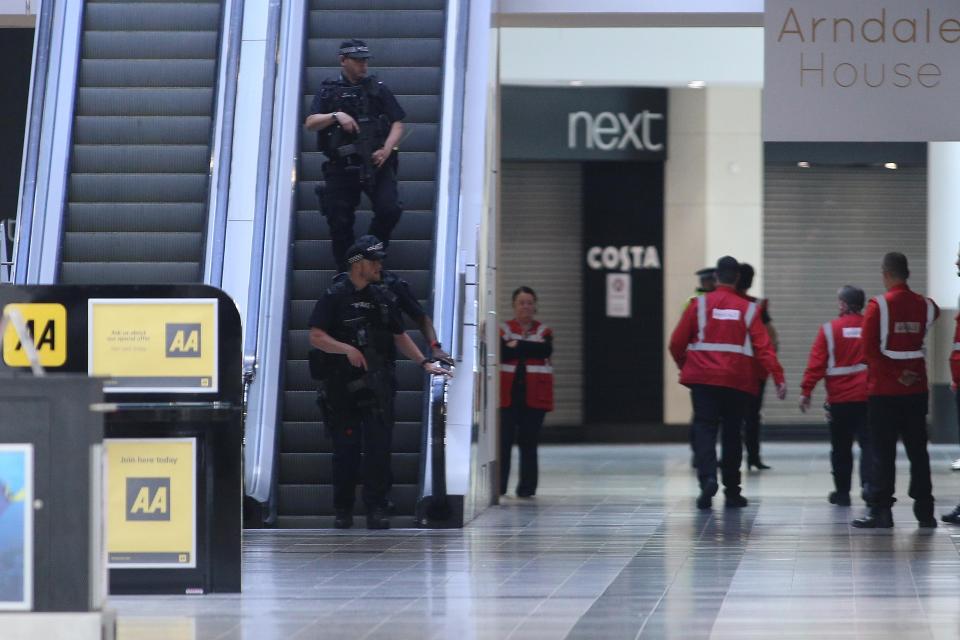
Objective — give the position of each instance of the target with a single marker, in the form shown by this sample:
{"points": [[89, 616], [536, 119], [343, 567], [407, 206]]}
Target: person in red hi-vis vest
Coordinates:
{"points": [[837, 357], [526, 389], [895, 327], [954, 516], [714, 345]]}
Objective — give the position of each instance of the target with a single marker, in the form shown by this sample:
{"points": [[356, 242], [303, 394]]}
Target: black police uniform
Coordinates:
{"points": [[369, 101], [400, 288], [358, 407]]}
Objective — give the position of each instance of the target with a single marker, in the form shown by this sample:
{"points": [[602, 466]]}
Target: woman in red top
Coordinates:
{"points": [[526, 389]]}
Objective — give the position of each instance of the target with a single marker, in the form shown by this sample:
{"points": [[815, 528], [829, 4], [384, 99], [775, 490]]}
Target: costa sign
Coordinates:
{"points": [[626, 258]]}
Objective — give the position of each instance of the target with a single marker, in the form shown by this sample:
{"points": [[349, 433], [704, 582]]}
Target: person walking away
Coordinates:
{"points": [[753, 419], [526, 389], [954, 516], [714, 346], [837, 357], [895, 327]]}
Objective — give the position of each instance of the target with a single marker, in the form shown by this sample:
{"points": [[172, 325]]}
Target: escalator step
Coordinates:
{"points": [[413, 195], [317, 468], [149, 44], [414, 166], [308, 437], [387, 52], [129, 272], [402, 254], [138, 101], [301, 406], [413, 225], [377, 24], [135, 216], [128, 159], [144, 187], [310, 285], [425, 109], [142, 130], [367, 5], [130, 247], [297, 376], [152, 16], [402, 81], [421, 137], [148, 73]]}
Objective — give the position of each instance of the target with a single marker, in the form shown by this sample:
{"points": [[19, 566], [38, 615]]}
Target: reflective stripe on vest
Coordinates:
{"points": [[832, 368], [885, 332], [956, 346], [508, 333], [532, 368], [745, 349], [536, 336]]}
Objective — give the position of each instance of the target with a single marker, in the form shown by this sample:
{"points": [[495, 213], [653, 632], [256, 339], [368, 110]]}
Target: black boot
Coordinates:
{"points": [[877, 518], [953, 517], [708, 489], [377, 519], [839, 498], [343, 519], [924, 515], [735, 501], [758, 464]]}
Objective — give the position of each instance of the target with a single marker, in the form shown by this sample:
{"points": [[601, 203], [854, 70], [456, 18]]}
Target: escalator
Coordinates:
{"points": [[140, 159], [406, 38]]}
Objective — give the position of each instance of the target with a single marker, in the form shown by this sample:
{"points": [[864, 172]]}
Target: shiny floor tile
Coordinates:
{"points": [[612, 547]]}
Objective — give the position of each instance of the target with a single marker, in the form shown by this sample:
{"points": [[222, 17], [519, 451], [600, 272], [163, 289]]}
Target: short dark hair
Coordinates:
{"points": [[895, 265], [519, 290], [746, 276], [728, 270], [853, 296]]}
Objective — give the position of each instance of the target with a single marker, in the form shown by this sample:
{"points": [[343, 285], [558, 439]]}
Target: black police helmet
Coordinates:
{"points": [[366, 248], [356, 49]]}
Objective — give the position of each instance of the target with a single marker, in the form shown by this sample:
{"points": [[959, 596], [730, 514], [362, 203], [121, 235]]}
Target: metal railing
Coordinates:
{"points": [[446, 278], [5, 262]]}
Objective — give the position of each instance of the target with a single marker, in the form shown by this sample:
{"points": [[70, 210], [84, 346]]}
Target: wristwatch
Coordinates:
{"points": [[334, 116]]}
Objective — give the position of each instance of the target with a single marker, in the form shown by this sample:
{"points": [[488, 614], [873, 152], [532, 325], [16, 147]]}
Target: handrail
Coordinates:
{"points": [[433, 503], [230, 78], [31, 151], [265, 339], [5, 262]]}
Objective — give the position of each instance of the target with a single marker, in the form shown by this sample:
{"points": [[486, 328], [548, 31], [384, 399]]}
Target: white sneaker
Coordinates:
{"points": [[956, 465]]}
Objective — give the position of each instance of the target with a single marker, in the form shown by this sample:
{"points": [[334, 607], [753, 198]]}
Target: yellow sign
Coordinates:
{"points": [[154, 345], [151, 503], [47, 323]]}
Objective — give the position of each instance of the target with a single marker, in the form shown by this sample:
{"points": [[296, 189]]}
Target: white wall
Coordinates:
{"points": [[18, 13], [660, 57]]}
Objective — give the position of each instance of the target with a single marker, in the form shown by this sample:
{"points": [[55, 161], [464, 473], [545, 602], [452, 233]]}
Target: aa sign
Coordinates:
{"points": [[47, 323]]}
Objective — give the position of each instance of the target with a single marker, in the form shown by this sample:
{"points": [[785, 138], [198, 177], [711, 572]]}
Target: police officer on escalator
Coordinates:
{"points": [[359, 124], [355, 330]]}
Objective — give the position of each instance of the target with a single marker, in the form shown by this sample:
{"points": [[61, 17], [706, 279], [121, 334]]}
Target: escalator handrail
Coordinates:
{"points": [[221, 169], [446, 234], [266, 310]]}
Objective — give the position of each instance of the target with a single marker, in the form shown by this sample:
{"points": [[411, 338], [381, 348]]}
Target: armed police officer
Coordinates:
{"points": [[359, 124], [356, 325]]}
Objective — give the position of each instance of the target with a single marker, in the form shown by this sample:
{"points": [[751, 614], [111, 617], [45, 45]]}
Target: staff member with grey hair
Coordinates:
{"points": [[895, 328], [837, 356]]}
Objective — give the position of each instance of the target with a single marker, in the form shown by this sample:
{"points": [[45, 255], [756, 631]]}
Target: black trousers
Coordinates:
{"points": [[718, 409], [903, 417], [751, 424], [340, 197], [362, 441], [520, 424], [848, 421]]}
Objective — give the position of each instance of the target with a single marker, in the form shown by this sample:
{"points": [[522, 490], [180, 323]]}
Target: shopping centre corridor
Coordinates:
{"points": [[612, 547]]}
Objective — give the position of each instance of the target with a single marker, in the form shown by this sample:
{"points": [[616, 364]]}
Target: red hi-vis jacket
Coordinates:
{"points": [[955, 355], [837, 355], [718, 338], [538, 370], [895, 327]]}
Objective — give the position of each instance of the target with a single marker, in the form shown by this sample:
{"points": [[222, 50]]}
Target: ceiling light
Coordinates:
{"points": [[576, 83], [891, 165], [696, 84], [803, 165]]}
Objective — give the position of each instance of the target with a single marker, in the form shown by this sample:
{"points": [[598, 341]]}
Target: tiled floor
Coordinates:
{"points": [[611, 548]]}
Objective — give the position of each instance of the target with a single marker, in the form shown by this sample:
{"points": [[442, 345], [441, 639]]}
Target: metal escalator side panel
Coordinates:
{"points": [[263, 415]]}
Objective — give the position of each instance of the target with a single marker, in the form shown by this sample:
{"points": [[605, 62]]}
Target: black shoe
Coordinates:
{"points": [[953, 517], [840, 499], [758, 464], [707, 491], [876, 519], [735, 502], [927, 523], [526, 494], [377, 519], [343, 519]]}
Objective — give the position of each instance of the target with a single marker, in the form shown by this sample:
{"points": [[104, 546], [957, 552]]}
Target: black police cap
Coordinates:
{"points": [[706, 272], [356, 49], [366, 248]]}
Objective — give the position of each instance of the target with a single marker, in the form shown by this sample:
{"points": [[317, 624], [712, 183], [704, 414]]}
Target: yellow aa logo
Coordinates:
{"points": [[47, 323], [183, 340], [148, 498]]}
